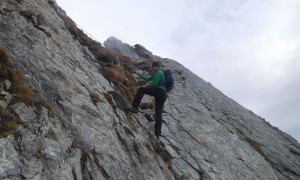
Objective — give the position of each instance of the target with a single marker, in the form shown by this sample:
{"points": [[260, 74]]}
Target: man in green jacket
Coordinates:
{"points": [[157, 89]]}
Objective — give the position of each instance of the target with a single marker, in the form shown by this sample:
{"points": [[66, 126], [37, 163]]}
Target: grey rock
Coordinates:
{"points": [[9, 158], [7, 84], [123, 48], [50, 149], [26, 114], [32, 168], [205, 134], [4, 93], [3, 104], [8, 98], [5, 98], [142, 51]]}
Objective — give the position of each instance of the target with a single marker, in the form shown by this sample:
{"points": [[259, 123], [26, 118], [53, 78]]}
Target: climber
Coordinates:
{"points": [[157, 89]]}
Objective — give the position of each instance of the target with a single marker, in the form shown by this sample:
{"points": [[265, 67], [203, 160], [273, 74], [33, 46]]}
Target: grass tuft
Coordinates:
{"points": [[150, 105], [9, 122], [48, 34], [95, 97], [123, 80], [21, 91], [110, 100]]}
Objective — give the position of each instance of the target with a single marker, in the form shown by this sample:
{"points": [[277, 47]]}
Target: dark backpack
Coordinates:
{"points": [[169, 80]]}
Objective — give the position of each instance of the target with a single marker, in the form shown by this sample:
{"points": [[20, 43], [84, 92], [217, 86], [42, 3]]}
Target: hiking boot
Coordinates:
{"points": [[132, 109]]}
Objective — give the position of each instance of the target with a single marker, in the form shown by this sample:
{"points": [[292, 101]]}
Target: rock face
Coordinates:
{"points": [[205, 134]]}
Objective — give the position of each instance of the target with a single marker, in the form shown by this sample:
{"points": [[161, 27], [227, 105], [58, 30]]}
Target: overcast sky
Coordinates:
{"points": [[248, 49]]}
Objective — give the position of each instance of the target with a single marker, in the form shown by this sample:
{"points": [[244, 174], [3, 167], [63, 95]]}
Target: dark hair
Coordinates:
{"points": [[155, 64]]}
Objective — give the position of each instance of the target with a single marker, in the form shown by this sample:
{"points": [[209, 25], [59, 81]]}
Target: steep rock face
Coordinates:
{"points": [[228, 139], [206, 135]]}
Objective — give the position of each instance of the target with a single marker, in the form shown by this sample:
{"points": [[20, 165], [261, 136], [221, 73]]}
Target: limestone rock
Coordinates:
{"points": [[50, 149], [5, 98], [7, 84], [3, 104], [9, 158], [123, 48], [4, 93], [26, 114], [205, 134], [142, 51]]}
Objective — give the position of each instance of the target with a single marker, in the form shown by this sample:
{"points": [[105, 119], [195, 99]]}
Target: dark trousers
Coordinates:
{"points": [[160, 97]]}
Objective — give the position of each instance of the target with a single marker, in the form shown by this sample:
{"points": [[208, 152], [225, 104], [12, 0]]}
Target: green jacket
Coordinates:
{"points": [[157, 80]]}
